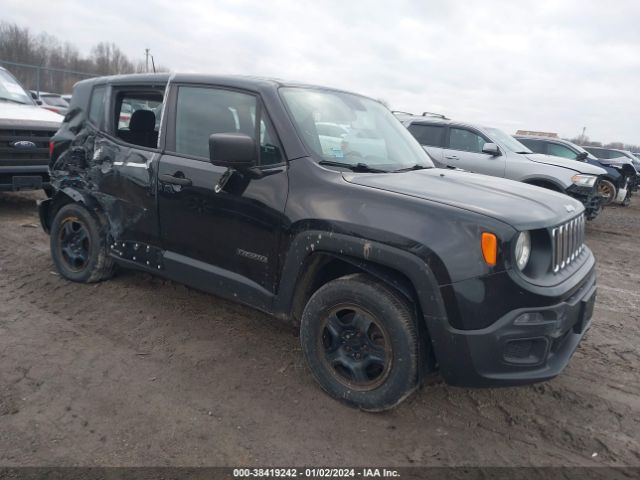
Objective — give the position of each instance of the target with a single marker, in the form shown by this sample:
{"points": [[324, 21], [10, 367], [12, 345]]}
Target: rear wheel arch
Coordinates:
{"points": [[64, 197]]}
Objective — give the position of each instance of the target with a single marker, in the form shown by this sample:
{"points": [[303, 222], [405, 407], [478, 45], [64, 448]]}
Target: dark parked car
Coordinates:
{"points": [[615, 186], [614, 153], [618, 157], [390, 267], [607, 153], [25, 130]]}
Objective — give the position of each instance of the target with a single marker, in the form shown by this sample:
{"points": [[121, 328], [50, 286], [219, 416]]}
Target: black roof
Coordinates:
{"points": [[246, 82]]}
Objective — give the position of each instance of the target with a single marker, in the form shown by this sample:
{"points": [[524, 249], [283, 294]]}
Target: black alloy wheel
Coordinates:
{"points": [[360, 339], [79, 245], [74, 244], [356, 347]]}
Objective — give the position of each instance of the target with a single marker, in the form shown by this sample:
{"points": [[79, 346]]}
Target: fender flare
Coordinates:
{"points": [[79, 196], [532, 180], [354, 250], [60, 198]]}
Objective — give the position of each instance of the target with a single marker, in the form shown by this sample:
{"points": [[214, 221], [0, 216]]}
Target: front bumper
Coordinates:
{"points": [[25, 177], [525, 345]]}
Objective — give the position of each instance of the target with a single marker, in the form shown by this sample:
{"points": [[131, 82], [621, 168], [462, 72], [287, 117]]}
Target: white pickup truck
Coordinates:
{"points": [[25, 130]]}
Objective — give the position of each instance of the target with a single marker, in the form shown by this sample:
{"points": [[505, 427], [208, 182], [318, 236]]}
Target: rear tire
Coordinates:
{"points": [[360, 340], [79, 245]]}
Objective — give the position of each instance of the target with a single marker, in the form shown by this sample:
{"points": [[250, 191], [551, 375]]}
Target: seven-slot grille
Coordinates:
{"points": [[568, 242], [12, 156]]}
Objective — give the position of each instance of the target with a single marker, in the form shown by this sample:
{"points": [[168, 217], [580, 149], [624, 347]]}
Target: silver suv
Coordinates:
{"points": [[490, 151]]}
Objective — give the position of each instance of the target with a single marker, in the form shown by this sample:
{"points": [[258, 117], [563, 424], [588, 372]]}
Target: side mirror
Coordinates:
{"points": [[38, 102], [232, 150], [582, 156], [491, 149]]}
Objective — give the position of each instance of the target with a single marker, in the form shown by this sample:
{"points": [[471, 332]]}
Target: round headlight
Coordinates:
{"points": [[523, 249]]}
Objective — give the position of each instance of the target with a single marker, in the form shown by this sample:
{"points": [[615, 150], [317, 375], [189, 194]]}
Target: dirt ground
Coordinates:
{"points": [[143, 371]]}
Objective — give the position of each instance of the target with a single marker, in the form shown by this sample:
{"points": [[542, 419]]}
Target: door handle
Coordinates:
{"points": [[182, 181], [451, 157]]}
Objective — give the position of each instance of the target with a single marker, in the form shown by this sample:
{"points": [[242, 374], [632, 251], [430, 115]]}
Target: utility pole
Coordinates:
{"points": [[146, 61]]}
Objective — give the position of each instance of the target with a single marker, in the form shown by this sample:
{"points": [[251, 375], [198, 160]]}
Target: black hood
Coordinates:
{"points": [[518, 204]]}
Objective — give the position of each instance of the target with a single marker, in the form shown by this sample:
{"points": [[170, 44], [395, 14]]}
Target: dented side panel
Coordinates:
{"points": [[117, 179]]}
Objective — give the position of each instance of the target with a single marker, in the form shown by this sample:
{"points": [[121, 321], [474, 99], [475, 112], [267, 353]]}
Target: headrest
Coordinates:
{"points": [[142, 120]]}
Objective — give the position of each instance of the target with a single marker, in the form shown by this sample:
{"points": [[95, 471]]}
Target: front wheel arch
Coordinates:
{"points": [[544, 183], [309, 247], [410, 276]]}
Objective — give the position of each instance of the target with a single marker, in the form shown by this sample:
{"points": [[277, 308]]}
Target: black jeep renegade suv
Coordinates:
{"points": [[318, 206]]}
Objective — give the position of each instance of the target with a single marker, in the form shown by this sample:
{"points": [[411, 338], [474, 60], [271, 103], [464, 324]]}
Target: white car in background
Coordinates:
{"points": [[25, 130], [51, 101], [339, 140]]}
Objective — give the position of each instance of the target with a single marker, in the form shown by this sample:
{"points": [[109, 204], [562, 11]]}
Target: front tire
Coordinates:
{"points": [[607, 191], [592, 213], [79, 245], [360, 340]]}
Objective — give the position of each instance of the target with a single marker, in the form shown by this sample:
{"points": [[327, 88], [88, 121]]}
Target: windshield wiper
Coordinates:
{"points": [[357, 167], [412, 167]]}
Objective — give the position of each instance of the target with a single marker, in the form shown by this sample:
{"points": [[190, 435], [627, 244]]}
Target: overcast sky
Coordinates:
{"points": [[538, 65]]}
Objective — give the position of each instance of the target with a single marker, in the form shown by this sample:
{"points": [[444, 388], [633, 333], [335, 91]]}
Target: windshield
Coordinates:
{"points": [[628, 154], [11, 90], [348, 129], [507, 141]]}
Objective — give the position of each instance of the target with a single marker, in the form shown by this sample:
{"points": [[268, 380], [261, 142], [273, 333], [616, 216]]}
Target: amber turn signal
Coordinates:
{"points": [[489, 248]]}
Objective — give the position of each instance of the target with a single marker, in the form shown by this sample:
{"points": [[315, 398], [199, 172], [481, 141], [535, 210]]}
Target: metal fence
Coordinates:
{"points": [[47, 79]]}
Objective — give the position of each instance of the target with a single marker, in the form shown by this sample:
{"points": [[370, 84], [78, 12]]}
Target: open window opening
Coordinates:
{"points": [[137, 116]]}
